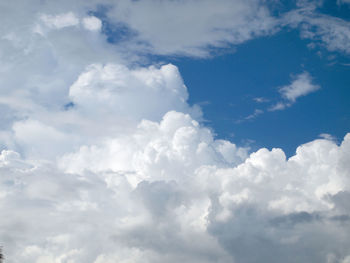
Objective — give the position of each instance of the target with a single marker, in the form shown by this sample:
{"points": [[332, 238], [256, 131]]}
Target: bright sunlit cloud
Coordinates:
{"points": [[104, 158]]}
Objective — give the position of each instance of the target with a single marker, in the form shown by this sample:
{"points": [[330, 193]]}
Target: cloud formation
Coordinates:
{"points": [[170, 192], [170, 27], [301, 86], [105, 161], [333, 33]]}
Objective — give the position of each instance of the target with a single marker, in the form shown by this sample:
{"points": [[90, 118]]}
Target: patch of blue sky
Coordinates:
{"points": [[69, 106], [230, 83], [336, 8]]}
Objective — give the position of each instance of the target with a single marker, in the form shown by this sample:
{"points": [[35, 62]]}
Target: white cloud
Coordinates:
{"points": [[127, 173], [177, 144], [301, 86], [92, 23], [188, 202], [60, 21], [279, 106], [252, 116], [116, 89], [256, 113], [190, 27], [328, 31], [327, 136]]}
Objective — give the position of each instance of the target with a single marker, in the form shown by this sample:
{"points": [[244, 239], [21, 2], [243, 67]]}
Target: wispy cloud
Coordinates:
{"points": [[261, 99], [330, 32], [300, 86], [328, 136], [252, 116]]}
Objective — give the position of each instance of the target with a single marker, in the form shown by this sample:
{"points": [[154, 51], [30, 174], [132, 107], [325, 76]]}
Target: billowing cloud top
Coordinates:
{"points": [[103, 160]]}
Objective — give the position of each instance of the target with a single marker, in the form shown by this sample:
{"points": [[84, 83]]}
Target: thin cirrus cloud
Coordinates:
{"points": [[114, 178]]}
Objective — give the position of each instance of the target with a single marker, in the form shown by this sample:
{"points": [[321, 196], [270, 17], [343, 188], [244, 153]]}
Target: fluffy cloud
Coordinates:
{"points": [[115, 89], [169, 192], [105, 161], [173, 148]]}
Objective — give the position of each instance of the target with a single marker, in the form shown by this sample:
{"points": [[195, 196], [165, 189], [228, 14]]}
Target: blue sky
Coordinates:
{"points": [[228, 84], [194, 131]]}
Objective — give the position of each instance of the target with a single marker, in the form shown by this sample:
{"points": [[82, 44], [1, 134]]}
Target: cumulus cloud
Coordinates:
{"points": [[118, 90], [169, 192], [105, 161]]}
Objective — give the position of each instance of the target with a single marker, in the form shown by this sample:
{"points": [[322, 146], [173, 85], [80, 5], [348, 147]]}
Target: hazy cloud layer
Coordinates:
{"points": [[103, 160]]}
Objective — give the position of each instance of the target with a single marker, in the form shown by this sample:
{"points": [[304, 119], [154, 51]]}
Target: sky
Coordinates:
{"points": [[168, 130]]}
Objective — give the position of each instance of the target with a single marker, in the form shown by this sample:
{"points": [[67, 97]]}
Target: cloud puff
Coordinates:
{"points": [[301, 86], [115, 89], [92, 23], [172, 148], [145, 198]]}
